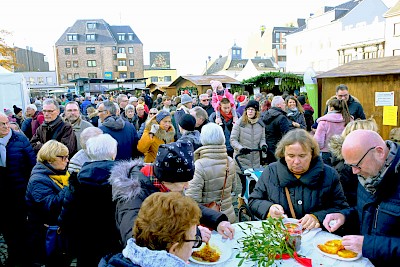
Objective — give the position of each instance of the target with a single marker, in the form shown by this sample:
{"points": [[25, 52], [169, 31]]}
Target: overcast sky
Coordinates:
{"points": [[191, 30]]}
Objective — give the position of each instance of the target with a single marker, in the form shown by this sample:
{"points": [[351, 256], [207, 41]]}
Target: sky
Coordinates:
{"points": [[191, 30]]}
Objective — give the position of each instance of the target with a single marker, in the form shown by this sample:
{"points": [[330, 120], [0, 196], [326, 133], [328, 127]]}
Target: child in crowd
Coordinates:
{"points": [[220, 92]]}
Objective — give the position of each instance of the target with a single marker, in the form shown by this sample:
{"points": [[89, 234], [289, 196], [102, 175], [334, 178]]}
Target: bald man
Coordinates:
{"points": [[376, 163]]}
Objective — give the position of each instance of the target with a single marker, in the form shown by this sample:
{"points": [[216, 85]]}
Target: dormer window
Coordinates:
{"points": [[261, 65], [240, 65], [130, 36], [91, 37], [121, 36], [72, 37], [91, 25]]}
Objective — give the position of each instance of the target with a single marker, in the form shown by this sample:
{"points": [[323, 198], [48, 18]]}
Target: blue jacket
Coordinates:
{"points": [[227, 128], [379, 218]]}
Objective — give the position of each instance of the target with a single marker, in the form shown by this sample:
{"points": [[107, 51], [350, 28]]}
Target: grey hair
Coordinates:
{"points": [[101, 147], [212, 134], [88, 133], [129, 107], [50, 101], [120, 96], [200, 113], [277, 100], [110, 107]]}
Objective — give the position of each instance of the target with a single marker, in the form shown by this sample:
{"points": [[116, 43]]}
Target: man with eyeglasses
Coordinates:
{"points": [[72, 115], [377, 165], [205, 103], [355, 108], [54, 128]]}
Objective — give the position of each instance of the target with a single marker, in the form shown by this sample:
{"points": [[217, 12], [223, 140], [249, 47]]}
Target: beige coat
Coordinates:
{"points": [[249, 136], [208, 181]]}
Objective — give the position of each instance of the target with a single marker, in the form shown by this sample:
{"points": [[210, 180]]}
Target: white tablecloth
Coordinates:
{"points": [[308, 250]]}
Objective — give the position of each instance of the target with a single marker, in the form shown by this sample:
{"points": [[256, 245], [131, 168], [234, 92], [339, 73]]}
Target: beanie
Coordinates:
{"points": [[187, 122], [185, 98], [16, 109], [253, 104], [32, 106], [161, 115], [8, 112], [301, 99], [216, 84], [174, 162]]}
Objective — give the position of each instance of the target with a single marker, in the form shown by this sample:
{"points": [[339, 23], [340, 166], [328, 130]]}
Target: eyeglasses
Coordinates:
{"points": [[48, 111], [342, 96], [357, 166], [151, 113], [101, 111], [251, 109], [197, 243], [2, 124], [64, 158], [205, 100]]}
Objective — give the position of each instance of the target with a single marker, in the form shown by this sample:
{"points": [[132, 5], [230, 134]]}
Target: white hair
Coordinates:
{"points": [[277, 100], [101, 147], [212, 134], [88, 133], [32, 106]]}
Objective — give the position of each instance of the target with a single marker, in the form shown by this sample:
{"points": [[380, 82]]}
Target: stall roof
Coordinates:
{"points": [[101, 80], [205, 79], [365, 67]]}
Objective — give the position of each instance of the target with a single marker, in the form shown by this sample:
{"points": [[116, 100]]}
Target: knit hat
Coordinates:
{"points": [[161, 115], [253, 104], [32, 106], [8, 112], [185, 98], [216, 84], [187, 122], [16, 109], [301, 99], [174, 162]]}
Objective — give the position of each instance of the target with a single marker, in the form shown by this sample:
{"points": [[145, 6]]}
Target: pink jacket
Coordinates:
{"points": [[328, 125], [217, 98]]}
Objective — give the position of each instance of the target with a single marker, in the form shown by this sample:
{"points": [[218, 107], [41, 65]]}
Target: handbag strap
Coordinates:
{"points": [[290, 203], [226, 176]]}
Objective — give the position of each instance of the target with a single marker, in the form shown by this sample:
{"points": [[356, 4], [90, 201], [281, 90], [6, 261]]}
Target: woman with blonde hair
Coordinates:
{"points": [[295, 112], [45, 198]]}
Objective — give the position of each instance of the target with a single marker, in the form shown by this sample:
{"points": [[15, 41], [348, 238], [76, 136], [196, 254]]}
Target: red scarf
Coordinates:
{"points": [[227, 117], [148, 172]]}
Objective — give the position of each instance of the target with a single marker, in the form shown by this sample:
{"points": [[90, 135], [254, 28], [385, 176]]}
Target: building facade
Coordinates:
{"points": [[94, 49], [29, 60], [392, 31]]}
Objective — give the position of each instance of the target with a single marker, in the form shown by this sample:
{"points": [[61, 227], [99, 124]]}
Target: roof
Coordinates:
{"points": [[217, 65], [205, 79], [365, 67], [393, 11]]}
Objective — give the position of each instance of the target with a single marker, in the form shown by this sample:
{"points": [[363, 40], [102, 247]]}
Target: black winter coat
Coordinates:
{"points": [[117, 260], [317, 192], [355, 109]]}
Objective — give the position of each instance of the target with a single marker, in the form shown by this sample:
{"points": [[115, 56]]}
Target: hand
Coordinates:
{"points": [[154, 128], [276, 211], [226, 229], [218, 121], [205, 233], [338, 218], [245, 151], [353, 242], [309, 222], [295, 124], [264, 148]]}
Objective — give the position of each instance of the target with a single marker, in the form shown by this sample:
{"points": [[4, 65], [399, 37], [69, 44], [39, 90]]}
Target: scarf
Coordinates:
{"points": [[371, 183], [60, 177], [292, 113], [227, 117], [253, 120], [3, 150], [148, 172]]}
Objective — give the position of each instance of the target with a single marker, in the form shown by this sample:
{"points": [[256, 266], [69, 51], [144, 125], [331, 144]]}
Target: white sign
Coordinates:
{"points": [[384, 98], [256, 90]]}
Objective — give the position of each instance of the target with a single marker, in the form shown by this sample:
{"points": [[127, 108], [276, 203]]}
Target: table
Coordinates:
{"points": [[307, 249]]}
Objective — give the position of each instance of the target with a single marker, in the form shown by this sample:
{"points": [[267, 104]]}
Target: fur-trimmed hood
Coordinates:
{"points": [[125, 180], [167, 136], [335, 146]]}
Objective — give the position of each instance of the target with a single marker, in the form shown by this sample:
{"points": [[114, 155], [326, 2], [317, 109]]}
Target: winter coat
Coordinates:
{"points": [[78, 128], [182, 110], [276, 125], [124, 133], [149, 146], [209, 109], [37, 120], [206, 186], [129, 192], [328, 125], [57, 130], [297, 117], [227, 128], [317, 191], [247, 135], [355, 108], [308, 115], [193, 137], [26, 128], [89, 203], [378, 216], [76, 162]]}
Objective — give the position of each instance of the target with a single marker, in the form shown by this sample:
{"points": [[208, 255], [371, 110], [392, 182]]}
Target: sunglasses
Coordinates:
{"points": [[151, 113]]}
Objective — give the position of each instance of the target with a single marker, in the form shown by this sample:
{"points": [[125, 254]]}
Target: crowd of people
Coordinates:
{"points": [[131, 181]]}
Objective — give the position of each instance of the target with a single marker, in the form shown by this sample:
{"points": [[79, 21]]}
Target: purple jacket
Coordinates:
{"points": [[328, 125]]}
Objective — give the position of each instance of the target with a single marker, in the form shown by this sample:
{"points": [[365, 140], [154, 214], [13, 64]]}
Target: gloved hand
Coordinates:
{"points": [[245, 151], [154, 128], [264, 148]]}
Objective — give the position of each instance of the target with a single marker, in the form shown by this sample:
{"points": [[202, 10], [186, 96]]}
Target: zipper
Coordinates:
{"points": [[376, 216]]}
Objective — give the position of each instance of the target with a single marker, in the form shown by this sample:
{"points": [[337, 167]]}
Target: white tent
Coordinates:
{"points": [[248, 71], [13, 90]]}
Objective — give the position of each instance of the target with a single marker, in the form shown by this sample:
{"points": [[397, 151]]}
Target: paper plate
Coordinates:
{"points": [[322, 240], [224, 250]]}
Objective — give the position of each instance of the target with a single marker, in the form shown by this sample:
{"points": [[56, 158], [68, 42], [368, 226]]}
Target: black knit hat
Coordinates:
{"points": [[17, 109], [253, 104], [174, 162], [301, 99], [187, 122]]}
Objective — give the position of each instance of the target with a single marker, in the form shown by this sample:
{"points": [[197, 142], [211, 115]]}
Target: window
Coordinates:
{"points": [[92, 75], [281, 58], [40, 80], [75, 63], [90, 37], [31, 80], [121, 36], [277, 36], [90, 50], [130, 50], [167, 78], [131, 62], [121, 62], [74, 50], [131, 75], [130, 36], [115, 56], [91, 63], [67, 51], [69, 76], [68, 64], [121, 50], [72, 37], [116, 68], [76, 75], [123, 75], [114, 48], [396, 52], [91, 25], [154, 79], [49, 80], [396, 29]]}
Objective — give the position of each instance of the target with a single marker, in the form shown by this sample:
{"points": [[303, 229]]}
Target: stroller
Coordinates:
{"points": [[250, 176]]}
